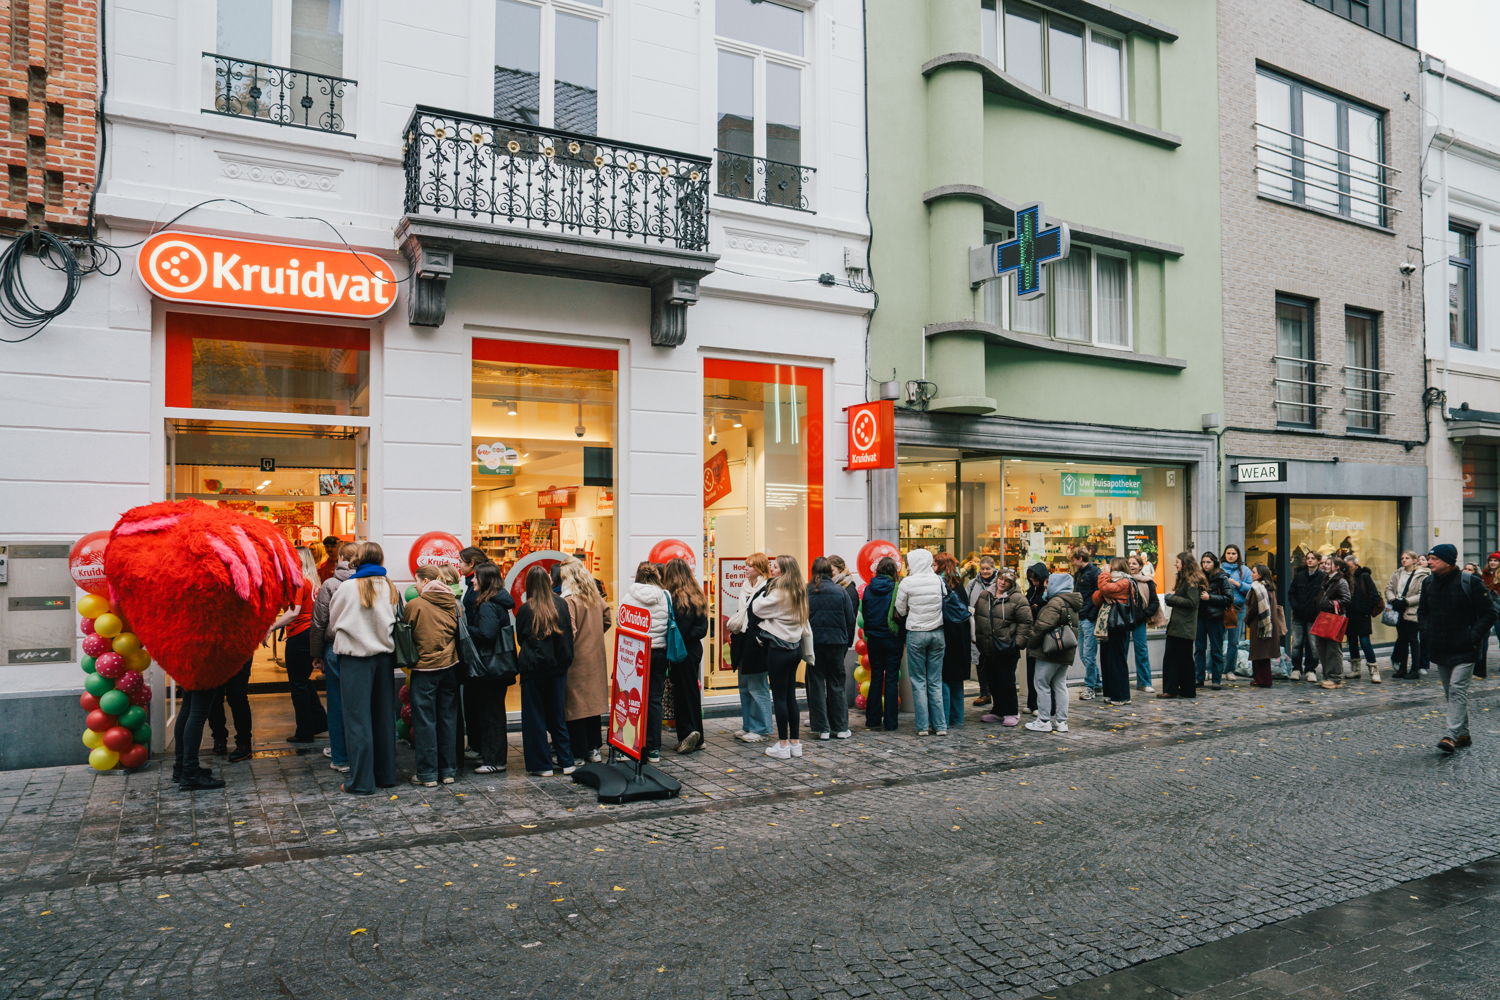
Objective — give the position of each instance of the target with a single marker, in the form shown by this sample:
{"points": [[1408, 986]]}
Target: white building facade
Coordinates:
{"points": [[1461, 220], [629, 256]]}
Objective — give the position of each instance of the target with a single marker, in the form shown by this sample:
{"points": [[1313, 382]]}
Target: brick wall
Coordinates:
{"points": [[48, 89], [1270, 247]]}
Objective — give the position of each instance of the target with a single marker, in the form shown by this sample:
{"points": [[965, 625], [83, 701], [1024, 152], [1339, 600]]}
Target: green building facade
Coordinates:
{"points": [[1087, 415]]}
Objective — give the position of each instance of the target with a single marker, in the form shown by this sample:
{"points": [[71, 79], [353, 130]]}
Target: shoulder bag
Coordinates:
{"points": [[501, 663], [469, 660], [1331, 625], [676, 647], [402, 637], [1058, 643], [1390, 616]]}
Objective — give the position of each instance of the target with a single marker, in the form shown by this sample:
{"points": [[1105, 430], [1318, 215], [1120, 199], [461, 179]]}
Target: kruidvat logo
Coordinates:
{"points": [[635, 619]]}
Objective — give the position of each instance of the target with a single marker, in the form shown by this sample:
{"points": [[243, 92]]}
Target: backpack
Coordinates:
{"points": [[956, 610]]}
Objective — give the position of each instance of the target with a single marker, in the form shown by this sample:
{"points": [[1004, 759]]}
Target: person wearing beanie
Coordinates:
{"points": [[1455, 614]]}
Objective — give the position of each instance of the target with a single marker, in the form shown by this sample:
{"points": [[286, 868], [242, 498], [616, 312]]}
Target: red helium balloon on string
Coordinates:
{"points": [[871, 554]]}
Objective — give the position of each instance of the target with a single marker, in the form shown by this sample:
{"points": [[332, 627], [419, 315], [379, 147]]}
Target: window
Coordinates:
{"points": [[760, 103], [1320, 150], [1362, 375], [310, 38], [1088, 299], [1463, 326], [280, 61], [547, 63], [1296, 364], [1061, 56]]}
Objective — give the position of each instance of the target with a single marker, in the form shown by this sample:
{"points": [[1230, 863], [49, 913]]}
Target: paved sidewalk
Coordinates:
{"points": [[70, 826]]}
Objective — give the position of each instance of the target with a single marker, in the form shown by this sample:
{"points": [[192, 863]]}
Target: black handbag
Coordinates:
{"points": [[469, 660], [501, 664]]}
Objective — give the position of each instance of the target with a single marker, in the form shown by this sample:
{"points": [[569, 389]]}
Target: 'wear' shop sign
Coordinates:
{"points": [[1098, 484], [248, 274], [1260, 472]]}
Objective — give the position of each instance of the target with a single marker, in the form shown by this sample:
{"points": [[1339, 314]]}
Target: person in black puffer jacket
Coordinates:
{"points": [[1208, 649], [831, 616], [883, 637], [1302, 598], [488, 615], [1036, 596], [1364, 604]]}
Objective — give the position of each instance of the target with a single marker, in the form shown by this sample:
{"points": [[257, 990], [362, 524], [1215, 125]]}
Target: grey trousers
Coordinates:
{"points": [[1456, 690], [1330, 658], [1051, 691]]}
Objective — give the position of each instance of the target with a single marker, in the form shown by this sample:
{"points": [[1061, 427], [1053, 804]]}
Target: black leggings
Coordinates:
{"points": [[783, 668], [999, 671]]}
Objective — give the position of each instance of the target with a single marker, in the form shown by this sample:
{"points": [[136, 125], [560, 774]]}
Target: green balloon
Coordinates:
{"points": [[99, 686], [142, 732], [87, 663], [134, 716], [411, 592], [403, 729], [114, 702]]}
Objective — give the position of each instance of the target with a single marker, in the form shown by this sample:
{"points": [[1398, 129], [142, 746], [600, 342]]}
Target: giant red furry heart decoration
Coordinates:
{"points": [[199, 585]]}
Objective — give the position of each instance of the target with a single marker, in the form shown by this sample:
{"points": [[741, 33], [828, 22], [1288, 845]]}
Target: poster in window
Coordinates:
{"points": [[716, 478], [1146, 539]]}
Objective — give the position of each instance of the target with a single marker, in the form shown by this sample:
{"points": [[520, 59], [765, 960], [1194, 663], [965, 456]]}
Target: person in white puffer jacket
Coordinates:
{"points": [[920, 601], [647, 592]]}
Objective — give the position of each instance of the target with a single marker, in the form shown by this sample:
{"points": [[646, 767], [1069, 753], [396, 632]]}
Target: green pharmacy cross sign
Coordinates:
{"points": [[1033, 246]]}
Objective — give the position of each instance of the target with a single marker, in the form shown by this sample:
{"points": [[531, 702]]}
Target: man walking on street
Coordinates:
{"points": [[1085, 581], [1455, 613], [1303, 595]]}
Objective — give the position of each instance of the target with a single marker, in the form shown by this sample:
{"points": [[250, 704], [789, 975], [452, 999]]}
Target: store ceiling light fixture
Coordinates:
{"points": [[262, 486], [734, 420]]}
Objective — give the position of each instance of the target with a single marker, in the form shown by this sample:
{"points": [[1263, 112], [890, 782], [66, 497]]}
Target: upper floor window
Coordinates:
{"points": [[1088, 299], [303, 34], [1463, 325], [1320, 150], [547, 63], [280, 61], [762, 79], [1297, 364], [1364, 393], [1067, 58]]}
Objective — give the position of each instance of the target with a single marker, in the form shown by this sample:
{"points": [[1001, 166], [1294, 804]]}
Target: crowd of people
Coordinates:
{"points": [[469, 643]]}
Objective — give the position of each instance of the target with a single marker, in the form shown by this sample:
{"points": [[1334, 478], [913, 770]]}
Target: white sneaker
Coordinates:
{"points": [[1311, 677], [842, 734], [570, 769], [1296, 675], [1148, 689], [328, 751], [1087, 694], [825, 736], [922, 732], [1059, 727], [779, 752], [796, 749], [1038, 726], [942, 732], [1036, 713], [750, 737]]}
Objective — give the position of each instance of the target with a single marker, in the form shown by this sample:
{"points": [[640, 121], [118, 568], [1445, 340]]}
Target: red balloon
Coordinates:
{"points": [[88, 702], [99, 721], [436, 548], [665, 551], [141, 696], [129, 681], [86, 625], [872, 553], [859, 701], [861, 647], [406, 694], [406, 714], [118, 738], [111, 665], [86, 563], [136, 755], [96, 645]]}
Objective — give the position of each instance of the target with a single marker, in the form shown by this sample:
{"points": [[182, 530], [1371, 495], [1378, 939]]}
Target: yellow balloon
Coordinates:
{"points": [[92, 605], [108, 625], [103, 758], [864, 688], [125, 643], [861, 674], [92, 740], [138, 660]]}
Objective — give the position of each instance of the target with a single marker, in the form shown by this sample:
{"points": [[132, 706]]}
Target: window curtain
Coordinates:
{"points": [[1114, 325]]}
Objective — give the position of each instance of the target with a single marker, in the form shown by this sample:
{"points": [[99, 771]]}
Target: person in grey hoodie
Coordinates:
{"points": [[920, 602], [1061, 611], [320, 644]]}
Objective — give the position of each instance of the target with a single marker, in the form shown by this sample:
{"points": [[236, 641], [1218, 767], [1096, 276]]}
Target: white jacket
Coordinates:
{"points": [[653, 599], [778, 618], [361, 631], [920, 597]]}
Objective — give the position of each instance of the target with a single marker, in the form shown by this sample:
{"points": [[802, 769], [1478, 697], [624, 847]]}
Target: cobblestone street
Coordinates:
{"points": [[997, 863]]}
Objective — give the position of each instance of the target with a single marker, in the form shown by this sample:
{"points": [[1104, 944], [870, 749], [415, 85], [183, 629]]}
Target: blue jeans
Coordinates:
{"points": [[1208, 650], [1232, 638], [885, 682], [953, 703], [335, 692], [755, 703], [1088, 652], [1142, 655], [924, 666]]}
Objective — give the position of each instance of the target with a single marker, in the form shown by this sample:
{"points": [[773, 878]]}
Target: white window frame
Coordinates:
{"points": [[1089, 32], [761, 56], [281, 34], [547, 64], [1004, 288]]}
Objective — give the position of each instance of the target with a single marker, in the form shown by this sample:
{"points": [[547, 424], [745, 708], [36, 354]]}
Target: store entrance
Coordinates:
{"points": [[309, 480]]}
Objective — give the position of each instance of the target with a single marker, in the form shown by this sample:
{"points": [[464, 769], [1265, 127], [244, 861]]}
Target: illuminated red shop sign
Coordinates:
{"points": [[872, 435]]}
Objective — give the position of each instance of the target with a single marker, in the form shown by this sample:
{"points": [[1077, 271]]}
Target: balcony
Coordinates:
{"points": [[769, 182], [490, 193], [279, 95]]}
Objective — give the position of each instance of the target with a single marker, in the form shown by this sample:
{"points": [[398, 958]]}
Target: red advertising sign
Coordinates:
{"points": [[436, 548], [1468, 480], [872, 435], [716, 478], [627, 709], [557, 496]]}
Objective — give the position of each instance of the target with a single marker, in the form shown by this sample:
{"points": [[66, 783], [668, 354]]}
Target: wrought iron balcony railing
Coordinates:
{"points": [[278, 94], [566, 183], [770, 182], [1364, 398]]}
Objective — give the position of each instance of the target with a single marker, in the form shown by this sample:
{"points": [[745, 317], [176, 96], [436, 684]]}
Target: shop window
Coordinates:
{"points": [[1364, 393], [929, 504], [1061, 56], [762, 69], [1088, 300], [547, 63], [541, 458], [218, 363], [1320, 150], [1370, 530], [1463, 325], [763, 479], [1297, 365]]}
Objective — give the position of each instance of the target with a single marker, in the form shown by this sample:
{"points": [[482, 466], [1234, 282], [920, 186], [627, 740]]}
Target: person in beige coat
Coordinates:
{"points": [[588, 677]]}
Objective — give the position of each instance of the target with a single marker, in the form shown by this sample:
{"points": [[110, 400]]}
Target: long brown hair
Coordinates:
{"points": [[544, 619], [647, 572], [686, 594], [1190, 573], [790, 580], [487, 582], [370, 554]]}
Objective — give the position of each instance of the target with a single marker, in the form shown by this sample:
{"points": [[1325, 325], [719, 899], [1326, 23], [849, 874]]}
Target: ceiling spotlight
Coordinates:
{"points": [[580, 430], [713, 434], [734, 419], [510, 407]]}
